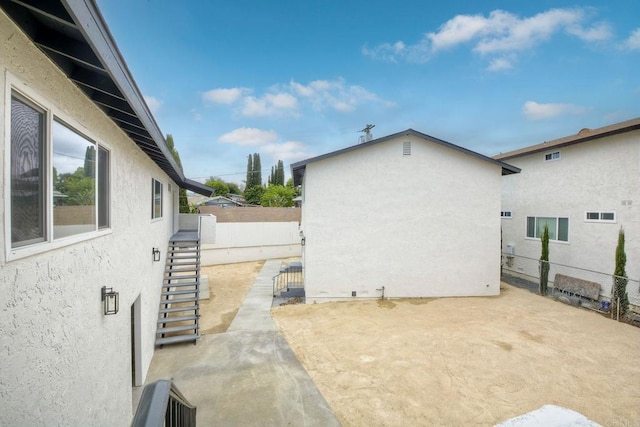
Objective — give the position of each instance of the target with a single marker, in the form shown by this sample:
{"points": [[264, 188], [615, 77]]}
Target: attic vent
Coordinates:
{"points": [[406, 148]]}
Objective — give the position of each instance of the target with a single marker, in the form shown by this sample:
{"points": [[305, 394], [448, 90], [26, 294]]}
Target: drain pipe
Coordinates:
{"points": [[381, 289]]}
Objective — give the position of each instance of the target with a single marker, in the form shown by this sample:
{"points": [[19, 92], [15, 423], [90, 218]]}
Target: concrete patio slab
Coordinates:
{"points": [[248, 376]]}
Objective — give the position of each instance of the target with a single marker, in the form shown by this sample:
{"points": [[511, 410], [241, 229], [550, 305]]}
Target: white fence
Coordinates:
{"points": [[251, 241]]}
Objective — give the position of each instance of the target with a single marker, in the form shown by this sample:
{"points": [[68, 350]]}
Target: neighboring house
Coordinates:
{"points": [[71, 111], [249, 234], [220, 201], [585, 187], [407, 212]]}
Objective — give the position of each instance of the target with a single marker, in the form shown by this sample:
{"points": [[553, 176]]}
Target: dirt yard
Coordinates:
{"points": [[450, 361], [465, 361], [228, 286]]}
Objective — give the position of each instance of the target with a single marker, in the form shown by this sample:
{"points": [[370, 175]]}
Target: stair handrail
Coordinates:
{"points": [[162, 404]]}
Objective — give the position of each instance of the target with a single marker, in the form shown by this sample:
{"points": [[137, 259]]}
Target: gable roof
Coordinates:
{"points": [[297, 169], [253, 214], [583, 136], [74, 35]]}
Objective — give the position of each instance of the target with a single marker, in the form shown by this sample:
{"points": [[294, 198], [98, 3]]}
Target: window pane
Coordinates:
{"points": [[563, 229], [27, 174], [549, 222], [157, 199], [103, 188], [74, 181], [607, 216], [531, 226], [593, 215]]}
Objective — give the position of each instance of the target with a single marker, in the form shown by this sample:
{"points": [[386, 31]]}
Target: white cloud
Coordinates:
{"points": [[336, 95], [286, 151], [153, 103], [498, 33], [633, 41], [225, 96], [535, 111], [248, 137], [270, 105], [499, 64]]}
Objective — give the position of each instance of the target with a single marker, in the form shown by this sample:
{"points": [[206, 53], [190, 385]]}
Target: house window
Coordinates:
{"points": [[558, 227], [156, 207], [505, 214], [406, 148], [600, 216], [56, 198], [28, 182], [552, 156]]}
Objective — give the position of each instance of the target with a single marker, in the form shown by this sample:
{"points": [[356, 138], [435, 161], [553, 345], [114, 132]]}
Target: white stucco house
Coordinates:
{"points": [[585, 187], [89, 188], [411, 213]]}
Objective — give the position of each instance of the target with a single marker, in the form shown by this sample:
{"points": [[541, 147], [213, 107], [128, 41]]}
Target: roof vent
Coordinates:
{"points": [[584, 131]]}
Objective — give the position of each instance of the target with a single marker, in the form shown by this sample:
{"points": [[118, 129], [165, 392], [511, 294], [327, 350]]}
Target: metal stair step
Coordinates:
{"points": [[177, 339], [180, 270], [178, 300], [179, 284], [180, 292], [181, 277], [191, 263], [178, 309], [170, 329], [177, 319]]}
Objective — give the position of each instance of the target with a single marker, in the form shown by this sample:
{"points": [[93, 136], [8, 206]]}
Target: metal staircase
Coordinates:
{"points": [[179, 314]]}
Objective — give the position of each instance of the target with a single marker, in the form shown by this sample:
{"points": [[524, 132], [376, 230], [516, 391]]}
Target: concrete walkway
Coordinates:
{"points": [[248, 376]]}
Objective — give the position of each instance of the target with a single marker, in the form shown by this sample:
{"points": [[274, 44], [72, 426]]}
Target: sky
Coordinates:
{"points": [[293, 79]]}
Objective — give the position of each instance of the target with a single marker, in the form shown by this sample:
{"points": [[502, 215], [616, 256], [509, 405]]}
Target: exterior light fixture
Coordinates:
{"points": [[156, 254], [110, 300]]}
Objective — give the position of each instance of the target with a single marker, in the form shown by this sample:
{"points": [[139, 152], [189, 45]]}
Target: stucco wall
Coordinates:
{"points": [[590, 176], [424, 225], [251, 241], [62, 361]]}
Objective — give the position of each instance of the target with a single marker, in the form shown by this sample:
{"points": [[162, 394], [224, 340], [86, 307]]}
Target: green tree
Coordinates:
{"points": [[544, 261], [253, 195], [278, 195], [257, 170], [220, 188], [183, 200], [233, 188], [620, 279], [78, 189], [250, 182]]}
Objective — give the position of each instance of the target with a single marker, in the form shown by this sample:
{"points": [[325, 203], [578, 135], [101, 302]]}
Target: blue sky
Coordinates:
{"points": [[294, 79]]}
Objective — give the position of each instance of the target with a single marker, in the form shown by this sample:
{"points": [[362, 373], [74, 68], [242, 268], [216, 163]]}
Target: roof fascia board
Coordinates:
{"points": [[97, 34], [297, 169], [569, 140]]}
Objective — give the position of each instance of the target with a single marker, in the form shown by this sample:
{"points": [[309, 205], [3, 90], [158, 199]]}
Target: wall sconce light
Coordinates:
{"points": [[110, 300], [156, 254]]}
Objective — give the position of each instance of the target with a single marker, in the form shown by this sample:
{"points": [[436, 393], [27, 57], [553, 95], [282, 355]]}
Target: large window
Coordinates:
{"points": [[156, 207], [67, 198], [558, 227]]}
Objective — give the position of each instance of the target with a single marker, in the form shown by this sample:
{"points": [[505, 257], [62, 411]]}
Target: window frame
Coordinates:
{"points": [[600, 213], [557, 218], [155, 218], [15, 87], [552, 159]]}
